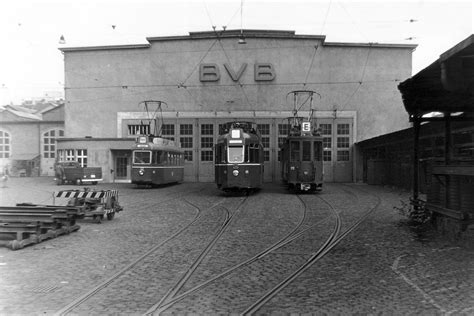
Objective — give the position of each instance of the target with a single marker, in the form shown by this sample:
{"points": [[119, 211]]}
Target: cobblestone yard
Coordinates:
{"points": [[384, 267]]}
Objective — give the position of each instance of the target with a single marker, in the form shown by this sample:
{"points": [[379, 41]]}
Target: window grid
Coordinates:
{"points": [[186, 129], [283, 129], [207, 142], [326, 129], [207, 129], [138, 129], [264, 129], [342, 155], [327, 142], [167, 129], [343, 129], [49, 142], [81, 155], [186, 142], [188, 155], [4, 145], [207, 155], [343, 142], [327, 155]]}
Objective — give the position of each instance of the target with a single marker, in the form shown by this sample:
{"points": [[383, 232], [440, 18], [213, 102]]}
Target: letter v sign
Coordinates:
{"points": [[232, 74]]}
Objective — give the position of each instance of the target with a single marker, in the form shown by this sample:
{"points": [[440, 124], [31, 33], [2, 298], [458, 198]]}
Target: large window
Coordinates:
{"points": [[207, 142], [5, 145], [49, 142], [343, 142], [326, 132], [138, 129], [265, 132], [186, 140], [167, 131]]}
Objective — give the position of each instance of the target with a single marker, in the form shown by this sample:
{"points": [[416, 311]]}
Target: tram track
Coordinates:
{"points": [[333, 240], [172, 292], [91, 293], [292, 235]]}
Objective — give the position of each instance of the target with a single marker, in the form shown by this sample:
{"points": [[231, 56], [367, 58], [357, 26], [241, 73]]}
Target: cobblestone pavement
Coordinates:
{"points": [[385, 266]]}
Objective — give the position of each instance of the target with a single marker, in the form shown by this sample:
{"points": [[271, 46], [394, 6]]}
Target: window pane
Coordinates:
{"points": [[327, 155], [295, 151], [167, 129], [186, 142], [264, 129], [207, 155], [186, 129], [342, 155], [236, 154], [207, 142], [188, 155], [327, 142], [207, 129], [306, 151], [326, 129], [343, 142], [343, 129], [142, 157]]}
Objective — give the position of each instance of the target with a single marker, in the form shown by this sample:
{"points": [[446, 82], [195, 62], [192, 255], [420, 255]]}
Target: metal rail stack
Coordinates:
{"points": [[26, 224]]}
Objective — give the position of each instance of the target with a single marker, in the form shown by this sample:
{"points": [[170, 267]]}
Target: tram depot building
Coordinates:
{"points": [[208, 78]]}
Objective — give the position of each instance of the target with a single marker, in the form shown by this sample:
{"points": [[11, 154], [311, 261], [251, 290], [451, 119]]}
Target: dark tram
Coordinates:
{"points": [[156, 161], [302, 157], [239, 157], [302, 149]]}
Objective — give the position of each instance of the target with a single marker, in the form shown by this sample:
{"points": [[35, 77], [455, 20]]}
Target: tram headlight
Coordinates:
{"points": [[235, 173], [141, 171]]}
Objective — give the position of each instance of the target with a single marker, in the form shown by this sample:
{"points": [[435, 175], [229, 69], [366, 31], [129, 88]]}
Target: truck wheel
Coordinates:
{"points": [[94, 183], [110, 216], [78, 182]]}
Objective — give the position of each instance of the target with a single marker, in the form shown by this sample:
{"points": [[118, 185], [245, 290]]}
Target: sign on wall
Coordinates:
{"points": [[211, 72]]}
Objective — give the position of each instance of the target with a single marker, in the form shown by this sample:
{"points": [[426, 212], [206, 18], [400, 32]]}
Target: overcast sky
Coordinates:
{"points": [[31, 64]]}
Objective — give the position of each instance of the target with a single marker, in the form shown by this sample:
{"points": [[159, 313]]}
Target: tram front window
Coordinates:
{"points": [[236, 154], [142, 157]]}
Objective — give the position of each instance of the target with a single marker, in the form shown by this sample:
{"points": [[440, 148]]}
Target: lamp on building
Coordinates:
{"points": [[62, 40]]}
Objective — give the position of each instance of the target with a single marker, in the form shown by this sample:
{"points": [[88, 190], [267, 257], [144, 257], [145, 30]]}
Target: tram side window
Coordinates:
{"points": [[295, 151], [318, 147], [306, 151], [142, 157], [253, 153]]}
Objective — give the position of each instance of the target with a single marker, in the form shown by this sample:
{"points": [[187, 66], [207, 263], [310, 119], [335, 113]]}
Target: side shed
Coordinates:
{"points": [[444, 93]]}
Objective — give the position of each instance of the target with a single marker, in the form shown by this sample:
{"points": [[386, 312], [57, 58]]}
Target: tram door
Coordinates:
{"points": [[268, 153], [187, 130], [207, 133]]}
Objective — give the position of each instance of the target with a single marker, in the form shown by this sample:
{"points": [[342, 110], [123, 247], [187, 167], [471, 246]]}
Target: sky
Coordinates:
{"points": [[32, 66]]}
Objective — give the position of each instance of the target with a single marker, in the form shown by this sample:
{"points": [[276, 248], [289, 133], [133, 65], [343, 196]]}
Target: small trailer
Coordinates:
{"points": [[96, 204]]}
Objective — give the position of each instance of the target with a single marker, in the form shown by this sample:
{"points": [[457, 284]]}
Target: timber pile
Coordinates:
{"points": [[26, 224]]}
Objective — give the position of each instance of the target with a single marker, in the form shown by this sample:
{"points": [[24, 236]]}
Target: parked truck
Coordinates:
{"points": [[72, 172]]}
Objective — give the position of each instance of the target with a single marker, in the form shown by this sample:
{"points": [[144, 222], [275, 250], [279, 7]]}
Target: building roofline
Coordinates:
{"points": [[247, 33], [105, 47]]}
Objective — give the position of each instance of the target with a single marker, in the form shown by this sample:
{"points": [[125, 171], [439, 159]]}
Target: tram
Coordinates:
{"points": [[302, 151], [156, 161], [239, 157]]}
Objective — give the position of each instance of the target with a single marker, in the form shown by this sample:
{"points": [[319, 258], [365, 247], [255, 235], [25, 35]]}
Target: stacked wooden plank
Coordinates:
{"points": [[26, 224]]}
